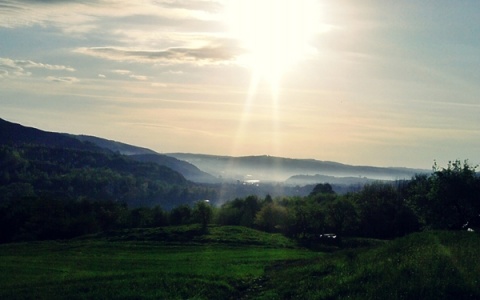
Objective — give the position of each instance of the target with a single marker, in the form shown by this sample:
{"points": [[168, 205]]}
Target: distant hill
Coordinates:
{"points": [[270, 168], [203, 168], [314, 179], [189, 171]]}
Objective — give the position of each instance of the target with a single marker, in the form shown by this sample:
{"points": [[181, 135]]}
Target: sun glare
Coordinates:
{"points": [[274, 32]]}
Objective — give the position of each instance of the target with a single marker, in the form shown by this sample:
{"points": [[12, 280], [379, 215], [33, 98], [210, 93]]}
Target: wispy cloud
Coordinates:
{"points": [[130, 74], [73, 13], [9, 68], [139, 77], [212, 53], [63, 79], [32, 64], [15, 68], [202, 5], [122, 72]]}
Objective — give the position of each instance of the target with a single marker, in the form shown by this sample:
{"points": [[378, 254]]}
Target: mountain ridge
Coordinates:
{"points": [[207, 168], [272, 168], [189, 171]]}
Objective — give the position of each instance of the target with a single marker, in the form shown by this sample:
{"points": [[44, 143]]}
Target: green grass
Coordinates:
{"points": [[186, 264], [433, 265], [239, 263]]}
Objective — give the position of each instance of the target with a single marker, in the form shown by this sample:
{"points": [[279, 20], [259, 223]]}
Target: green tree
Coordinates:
{"points": [[383, 211], [322, 192], [272, 218], [181, 215], [450, 197], [239, 211], [322, 188], [341, 216], [203, 213]]}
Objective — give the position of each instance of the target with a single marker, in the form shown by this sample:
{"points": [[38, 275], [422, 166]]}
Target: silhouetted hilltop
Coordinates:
{"points": [[114, 146], [16, 134], [36, 163]]}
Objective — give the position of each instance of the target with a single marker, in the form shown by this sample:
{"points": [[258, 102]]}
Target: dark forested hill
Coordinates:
{"points": [[35, 163], [41, 171], [189, 171], [114, 146], [16, 134]]}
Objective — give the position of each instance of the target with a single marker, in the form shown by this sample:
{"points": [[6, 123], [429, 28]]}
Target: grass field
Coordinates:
{"points": [[429, 265], [238, 263], [137, 264]]}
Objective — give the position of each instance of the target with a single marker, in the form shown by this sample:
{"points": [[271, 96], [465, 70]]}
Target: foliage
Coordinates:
{"points": [[84, 174], [48, 193], [202, 213], [383, 212], [181, 214], [240, 211], [449, 198], [322, 188], [272, 218]]}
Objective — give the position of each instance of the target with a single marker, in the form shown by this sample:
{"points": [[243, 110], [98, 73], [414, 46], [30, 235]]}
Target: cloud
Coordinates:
{"points": [[139, 77], [83, 15], [31, 64], [10, 68], [207, 6], [174, 72], [63, 79], [122, 72], [212, 53], [130, 74]]}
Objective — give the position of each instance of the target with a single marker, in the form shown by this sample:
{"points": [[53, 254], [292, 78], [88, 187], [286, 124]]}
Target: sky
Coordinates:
{"points": [[373, 82]]}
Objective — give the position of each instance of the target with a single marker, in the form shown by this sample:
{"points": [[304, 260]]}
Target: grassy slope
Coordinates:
{"points": [[433, 265], [170, 263], [238, 263]]}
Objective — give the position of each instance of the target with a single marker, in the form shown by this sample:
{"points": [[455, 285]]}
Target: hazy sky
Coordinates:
{"points": [[372, 82]]}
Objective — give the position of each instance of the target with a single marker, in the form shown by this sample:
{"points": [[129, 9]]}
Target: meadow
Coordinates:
{"points": [[173, 263], [229, 262]]}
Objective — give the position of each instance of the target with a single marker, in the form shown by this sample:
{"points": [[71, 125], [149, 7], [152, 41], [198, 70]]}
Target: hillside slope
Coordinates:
{"points": [[36, 163], [189, 171], [16, 134], [428, 265]]}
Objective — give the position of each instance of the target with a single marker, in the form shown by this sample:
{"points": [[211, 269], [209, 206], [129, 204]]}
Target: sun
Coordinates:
{"points": [[275, 33]]}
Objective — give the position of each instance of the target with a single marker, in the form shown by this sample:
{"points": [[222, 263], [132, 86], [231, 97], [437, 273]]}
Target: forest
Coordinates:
{"points": [[57, 193]]}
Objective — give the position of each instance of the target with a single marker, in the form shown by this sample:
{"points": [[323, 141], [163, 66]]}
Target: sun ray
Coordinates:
{"points": [[275, 34]]}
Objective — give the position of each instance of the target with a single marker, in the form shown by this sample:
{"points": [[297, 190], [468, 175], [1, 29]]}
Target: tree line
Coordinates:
{"points": [[448, 198]]}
